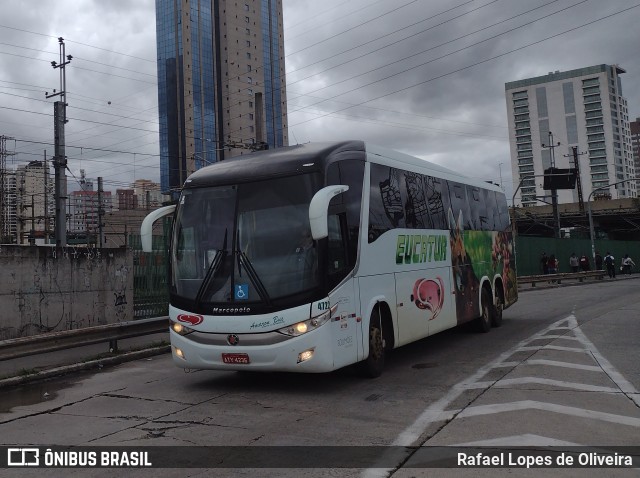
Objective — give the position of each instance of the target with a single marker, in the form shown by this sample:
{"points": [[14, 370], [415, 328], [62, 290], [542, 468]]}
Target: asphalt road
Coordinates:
{"points": [[563, 370]]}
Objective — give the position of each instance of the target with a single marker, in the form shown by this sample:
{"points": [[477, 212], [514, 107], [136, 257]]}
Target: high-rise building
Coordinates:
{"points": [[634, 127], [148, 193], [127, 199], [221, 82], [582, 108], [9, 219], [84, 206], [34, 202]]}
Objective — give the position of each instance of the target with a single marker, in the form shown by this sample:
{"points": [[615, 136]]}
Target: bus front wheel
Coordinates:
{"points": [[374, 363]]}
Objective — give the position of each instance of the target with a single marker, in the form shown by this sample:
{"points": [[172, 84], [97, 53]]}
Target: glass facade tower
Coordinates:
{"points": [[221, 82]]}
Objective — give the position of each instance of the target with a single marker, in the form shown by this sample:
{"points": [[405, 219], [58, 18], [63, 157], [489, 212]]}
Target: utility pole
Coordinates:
{"points": [[576, 164], [32, 236], [59, 158], [100, 211], [46, 199], [554, 192]]}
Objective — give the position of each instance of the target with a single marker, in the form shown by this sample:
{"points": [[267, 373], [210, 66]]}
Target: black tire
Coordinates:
{"points": [[374, 364], [483, 323], [496, 316]]}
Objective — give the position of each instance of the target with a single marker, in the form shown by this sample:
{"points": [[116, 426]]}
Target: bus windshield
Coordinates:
{"points": [[245, 244]]}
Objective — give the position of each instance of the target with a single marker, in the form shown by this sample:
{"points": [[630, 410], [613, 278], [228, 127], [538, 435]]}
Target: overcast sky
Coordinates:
{"points": [[422, 76]]}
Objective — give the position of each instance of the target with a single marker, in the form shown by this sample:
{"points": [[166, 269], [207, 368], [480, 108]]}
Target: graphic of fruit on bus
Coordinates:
{"points": [[428, 294]]}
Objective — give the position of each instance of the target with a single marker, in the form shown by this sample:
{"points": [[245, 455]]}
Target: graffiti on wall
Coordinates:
{"points": [[49, 289]]}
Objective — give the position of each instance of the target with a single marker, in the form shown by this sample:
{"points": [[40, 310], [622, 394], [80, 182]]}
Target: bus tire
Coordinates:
{"points": [[483, 323], [496, 316], [374, 363]]}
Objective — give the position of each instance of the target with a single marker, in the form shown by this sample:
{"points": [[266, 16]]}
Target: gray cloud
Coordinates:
{"points": [[441, 104]]}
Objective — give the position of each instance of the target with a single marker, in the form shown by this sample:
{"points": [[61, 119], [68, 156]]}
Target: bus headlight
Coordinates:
{"points": [[180, 329], [307, 325]]}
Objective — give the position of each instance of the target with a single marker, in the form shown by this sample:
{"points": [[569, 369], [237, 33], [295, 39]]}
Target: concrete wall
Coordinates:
{"points": [[44, 289]]}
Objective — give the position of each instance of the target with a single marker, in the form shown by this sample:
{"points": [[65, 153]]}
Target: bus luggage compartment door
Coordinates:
{"points": [[424, 303]]}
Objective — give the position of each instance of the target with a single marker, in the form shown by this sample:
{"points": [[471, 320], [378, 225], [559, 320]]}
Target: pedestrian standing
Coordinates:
{"points": [[552, 264], [544, 263], [584, 263], [610, 262], [627, 264], [598, 261], [574, 263]]}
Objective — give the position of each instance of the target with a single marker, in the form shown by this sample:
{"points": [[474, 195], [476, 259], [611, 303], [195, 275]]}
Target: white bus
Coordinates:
{"points": [[312, 257]]}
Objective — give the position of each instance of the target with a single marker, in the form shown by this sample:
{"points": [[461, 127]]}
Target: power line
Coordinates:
{"points": [[437, 58], [474, 64]]}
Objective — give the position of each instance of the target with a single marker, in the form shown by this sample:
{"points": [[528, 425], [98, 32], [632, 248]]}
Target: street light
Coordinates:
{"points": [[591, 228]]}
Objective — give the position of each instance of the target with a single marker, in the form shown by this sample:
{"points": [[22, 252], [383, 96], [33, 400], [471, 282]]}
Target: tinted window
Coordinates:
{"points": [[351, 173], [403, 199], [385, 206]]}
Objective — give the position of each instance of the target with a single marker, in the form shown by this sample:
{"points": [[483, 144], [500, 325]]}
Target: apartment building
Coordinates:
{"points": [[583, 109]]}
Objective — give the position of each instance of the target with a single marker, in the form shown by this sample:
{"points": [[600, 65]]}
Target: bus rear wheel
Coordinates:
{"points": [[496, 316], [374, 363], [486, 312]]}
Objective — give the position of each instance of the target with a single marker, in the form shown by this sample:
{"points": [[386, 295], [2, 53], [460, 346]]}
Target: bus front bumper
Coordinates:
{"points": [[310, 352]]}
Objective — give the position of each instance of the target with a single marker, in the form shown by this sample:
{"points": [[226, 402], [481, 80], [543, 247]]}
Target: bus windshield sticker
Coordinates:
{"points": [[242, 291]]}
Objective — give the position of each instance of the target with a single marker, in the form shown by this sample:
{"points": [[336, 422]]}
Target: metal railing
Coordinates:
{"points": [[66, 339], [558, 278]]}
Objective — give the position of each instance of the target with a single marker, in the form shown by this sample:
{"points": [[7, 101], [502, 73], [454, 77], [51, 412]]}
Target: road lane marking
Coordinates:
{"points": [[556, 363], [412, 433], [505, 382], [563, 337], [626, 386], [437, 410], [526, 439], [555, 347], [479, 410]]}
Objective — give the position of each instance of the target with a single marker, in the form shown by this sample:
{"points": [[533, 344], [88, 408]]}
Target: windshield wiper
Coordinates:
{"points": [[253, 276], [217, 261]]}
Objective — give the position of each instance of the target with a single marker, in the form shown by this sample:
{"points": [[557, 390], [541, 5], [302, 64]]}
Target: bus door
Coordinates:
{"points": [[423, 303], [346, 326], [346, 329]]}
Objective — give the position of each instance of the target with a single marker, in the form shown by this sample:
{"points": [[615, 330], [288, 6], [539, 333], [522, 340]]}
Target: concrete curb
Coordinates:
{"points": [[77, 367]]}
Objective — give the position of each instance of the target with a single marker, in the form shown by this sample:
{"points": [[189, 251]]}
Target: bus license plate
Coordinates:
{"points": [[235, 358]]}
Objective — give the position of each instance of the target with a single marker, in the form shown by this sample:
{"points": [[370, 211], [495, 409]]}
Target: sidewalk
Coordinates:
{"points": [[91, 357]]}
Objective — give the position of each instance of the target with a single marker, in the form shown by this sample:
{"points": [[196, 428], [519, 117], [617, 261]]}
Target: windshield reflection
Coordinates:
{"points": [[249, 243]]}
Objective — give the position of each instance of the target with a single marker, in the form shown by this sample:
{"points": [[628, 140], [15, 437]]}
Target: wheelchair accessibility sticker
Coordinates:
{"points": [[242, 291]]}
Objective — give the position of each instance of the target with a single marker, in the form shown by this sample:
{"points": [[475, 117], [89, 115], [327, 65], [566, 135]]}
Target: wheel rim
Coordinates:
{"points": [[375, 343], [486, 313]]}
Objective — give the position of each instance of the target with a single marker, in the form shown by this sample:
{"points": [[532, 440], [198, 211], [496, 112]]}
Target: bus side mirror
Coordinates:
{"points": [[146, 229], [318, 210]]}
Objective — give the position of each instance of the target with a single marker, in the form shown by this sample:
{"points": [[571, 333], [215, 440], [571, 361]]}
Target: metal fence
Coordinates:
{"points": [[150, 276]]}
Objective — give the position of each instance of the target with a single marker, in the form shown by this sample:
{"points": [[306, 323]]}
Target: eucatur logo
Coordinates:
{"points": [[190, 319]]}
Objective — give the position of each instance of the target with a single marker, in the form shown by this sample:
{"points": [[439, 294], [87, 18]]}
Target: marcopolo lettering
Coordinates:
{"points": [[420, 248]]}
